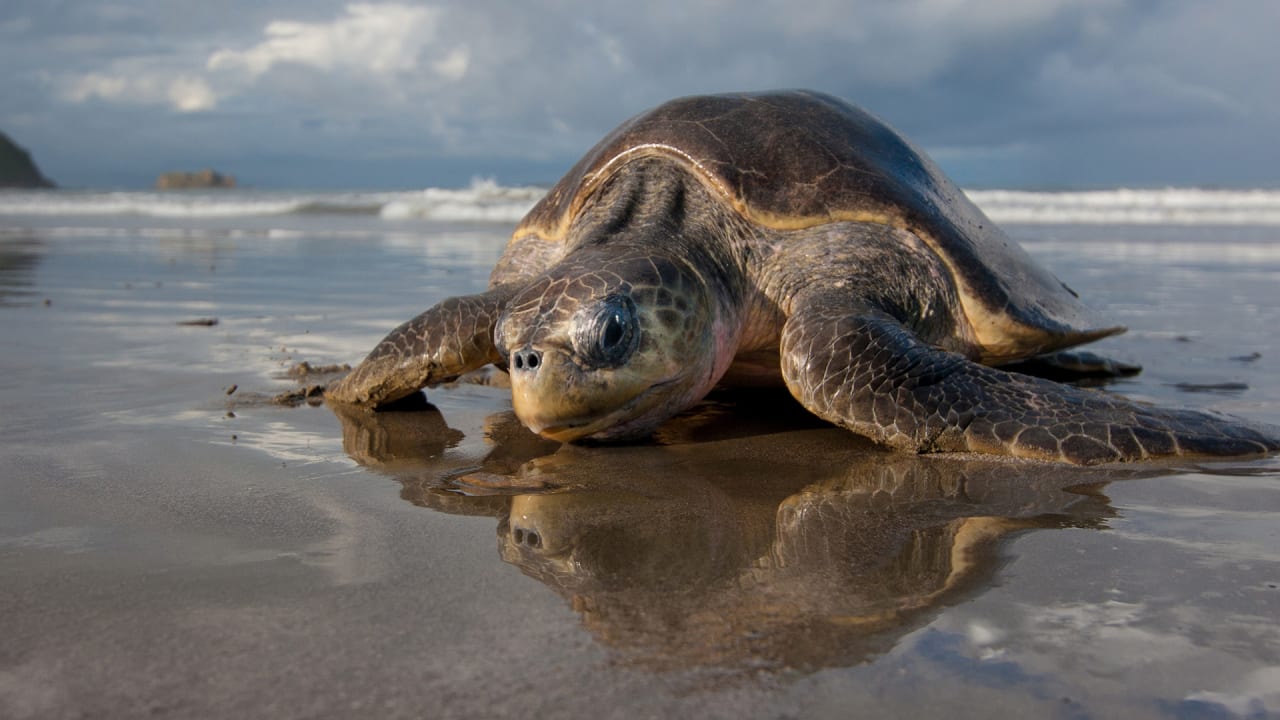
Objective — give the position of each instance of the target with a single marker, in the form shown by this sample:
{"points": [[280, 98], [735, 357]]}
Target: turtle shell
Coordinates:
{"points": [[793, 160]]}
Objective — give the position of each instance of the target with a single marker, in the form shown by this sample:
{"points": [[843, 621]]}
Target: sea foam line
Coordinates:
{"points": [[486, 201], [1169, 206]]}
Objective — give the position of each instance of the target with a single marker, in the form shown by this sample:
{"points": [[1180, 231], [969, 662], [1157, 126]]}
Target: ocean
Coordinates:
{"points": [[173, 542], [487, 201]]}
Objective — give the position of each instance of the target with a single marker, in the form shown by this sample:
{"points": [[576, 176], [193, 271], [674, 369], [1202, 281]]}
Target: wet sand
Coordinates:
{"points": [[174, 544]]}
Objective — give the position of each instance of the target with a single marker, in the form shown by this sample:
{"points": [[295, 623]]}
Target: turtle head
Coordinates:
{"points": [[608, 350]]}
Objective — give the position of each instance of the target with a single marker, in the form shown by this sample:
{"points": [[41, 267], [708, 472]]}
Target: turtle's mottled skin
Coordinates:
{"points": [[782, 236]]}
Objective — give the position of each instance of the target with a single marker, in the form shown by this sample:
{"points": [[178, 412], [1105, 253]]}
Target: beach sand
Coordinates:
{"points": [[174, 544]]}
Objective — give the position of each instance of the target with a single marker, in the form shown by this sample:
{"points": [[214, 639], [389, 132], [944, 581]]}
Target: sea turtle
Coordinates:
{"points": [[789, 236]]}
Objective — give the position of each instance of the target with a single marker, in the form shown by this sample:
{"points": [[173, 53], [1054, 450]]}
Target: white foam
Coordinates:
{"points": [[222, 204], [1169, 206], [1167, 252], [485, 201]]}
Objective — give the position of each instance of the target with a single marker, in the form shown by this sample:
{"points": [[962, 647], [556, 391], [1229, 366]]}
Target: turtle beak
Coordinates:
{"points": [[559, 400], [540, 392]]}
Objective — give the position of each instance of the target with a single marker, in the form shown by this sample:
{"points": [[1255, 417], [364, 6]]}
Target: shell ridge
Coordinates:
{"points": [[795, 160]]}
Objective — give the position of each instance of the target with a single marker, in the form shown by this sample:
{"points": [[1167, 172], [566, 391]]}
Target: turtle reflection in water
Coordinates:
{"points": [[785, 237], [785, 550]]}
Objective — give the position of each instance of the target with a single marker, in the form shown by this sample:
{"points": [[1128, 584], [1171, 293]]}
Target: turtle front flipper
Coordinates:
{"points": [[442, 343], [867, 372]]}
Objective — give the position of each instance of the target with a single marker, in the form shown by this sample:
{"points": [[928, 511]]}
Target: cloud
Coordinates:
{"points": [[1040, 91], [184, 93], [380, 40], [454, 65], [389, 44]]}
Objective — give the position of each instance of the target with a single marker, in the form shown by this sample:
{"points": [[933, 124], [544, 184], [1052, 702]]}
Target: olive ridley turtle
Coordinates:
{"points": [[781, 236]]}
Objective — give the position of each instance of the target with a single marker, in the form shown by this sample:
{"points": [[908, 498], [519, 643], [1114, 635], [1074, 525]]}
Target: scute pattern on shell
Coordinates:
{"points": [[799, 159]]}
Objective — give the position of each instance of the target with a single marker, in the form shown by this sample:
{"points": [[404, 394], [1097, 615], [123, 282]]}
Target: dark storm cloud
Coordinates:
{"points": [[1002, 93]]}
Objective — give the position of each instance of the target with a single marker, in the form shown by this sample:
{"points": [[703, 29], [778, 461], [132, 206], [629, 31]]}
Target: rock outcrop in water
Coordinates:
{"points": [[200, 179], [17, 169]]}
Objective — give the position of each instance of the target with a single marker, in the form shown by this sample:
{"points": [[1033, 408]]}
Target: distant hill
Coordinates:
{"points": [[194, 180], [17, 170]]}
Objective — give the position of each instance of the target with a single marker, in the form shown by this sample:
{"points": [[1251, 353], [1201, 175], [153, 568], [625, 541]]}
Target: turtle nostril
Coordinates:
{"points": [[527, 359], [527, 538]]}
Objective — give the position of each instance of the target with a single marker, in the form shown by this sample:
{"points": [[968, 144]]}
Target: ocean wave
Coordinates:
{"points": [[183, 204], [1169, 206], [483, 201], [486, 201]]}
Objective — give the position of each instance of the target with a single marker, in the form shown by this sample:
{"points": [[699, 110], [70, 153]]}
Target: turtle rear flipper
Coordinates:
{"points": [[452, 338], [867, 372], [1074, 366]]}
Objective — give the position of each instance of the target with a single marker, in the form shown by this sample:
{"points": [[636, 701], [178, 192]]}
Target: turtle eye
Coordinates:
{"points": [[611, 334]]}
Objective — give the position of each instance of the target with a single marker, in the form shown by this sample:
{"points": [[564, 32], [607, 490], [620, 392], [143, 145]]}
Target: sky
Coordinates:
{"points": [[1036, 94]]}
